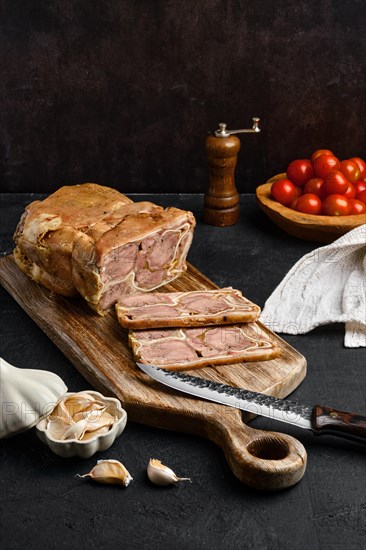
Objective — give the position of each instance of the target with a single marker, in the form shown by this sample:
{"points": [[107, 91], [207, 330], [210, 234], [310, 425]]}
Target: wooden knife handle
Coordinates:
{"points": [[328, 421]]}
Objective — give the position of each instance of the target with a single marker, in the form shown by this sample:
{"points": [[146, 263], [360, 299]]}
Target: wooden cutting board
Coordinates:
{"points": [[97, 347]]}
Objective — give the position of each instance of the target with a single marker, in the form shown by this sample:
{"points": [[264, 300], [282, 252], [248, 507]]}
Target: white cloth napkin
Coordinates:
{"points": [[328, 285]]}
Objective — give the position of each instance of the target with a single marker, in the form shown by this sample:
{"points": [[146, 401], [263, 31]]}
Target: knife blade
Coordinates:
{"points": [[320, 419]]}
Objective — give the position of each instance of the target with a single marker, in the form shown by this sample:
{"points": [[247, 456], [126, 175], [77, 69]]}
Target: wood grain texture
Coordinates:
{"points": [[329, 421], [97, 347], [221, 198], [325, 229]]}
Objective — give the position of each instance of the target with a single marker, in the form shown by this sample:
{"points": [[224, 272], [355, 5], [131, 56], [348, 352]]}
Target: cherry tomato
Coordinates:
{"points": [[284, 191], [293, 204], [335, 205], [361, 165], [325, 164], [350, 169], [357, 207], [309, 204], [351, 191], [300, 171], [319, 152], [315, 186], [335, 183], [362, 196], [360, 186]]}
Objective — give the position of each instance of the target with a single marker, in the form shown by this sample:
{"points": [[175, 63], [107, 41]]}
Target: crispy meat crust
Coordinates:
{"points": [[65, 241]]}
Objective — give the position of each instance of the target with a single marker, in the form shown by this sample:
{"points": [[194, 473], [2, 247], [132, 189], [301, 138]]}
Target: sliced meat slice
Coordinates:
{"points": [[182, 309], [192, 348]]}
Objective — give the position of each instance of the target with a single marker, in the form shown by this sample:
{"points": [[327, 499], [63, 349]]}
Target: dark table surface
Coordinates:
{"points": [[43, 505]]}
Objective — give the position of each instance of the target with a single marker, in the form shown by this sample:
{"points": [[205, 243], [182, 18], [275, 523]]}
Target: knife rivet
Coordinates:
{"points": [[333, 414]]}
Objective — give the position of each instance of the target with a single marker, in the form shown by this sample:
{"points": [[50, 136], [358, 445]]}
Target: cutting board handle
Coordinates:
{"points": [[262, 459]]}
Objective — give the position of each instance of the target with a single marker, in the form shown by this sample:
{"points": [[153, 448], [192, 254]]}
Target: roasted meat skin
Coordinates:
{"points": [[93, 240], [185, 309], [48, 230], [192, 348]]}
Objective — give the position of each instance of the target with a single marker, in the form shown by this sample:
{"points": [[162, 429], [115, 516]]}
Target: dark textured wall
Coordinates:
{"points": [[123, 92]]}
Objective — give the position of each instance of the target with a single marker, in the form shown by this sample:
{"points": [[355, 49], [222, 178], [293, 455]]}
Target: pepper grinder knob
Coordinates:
{"points": [[221, 202]]}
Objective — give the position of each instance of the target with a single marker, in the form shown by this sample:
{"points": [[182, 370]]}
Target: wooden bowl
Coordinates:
{"points": [[324, 229]]}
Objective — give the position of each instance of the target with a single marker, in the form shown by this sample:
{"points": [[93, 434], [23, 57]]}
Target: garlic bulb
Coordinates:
{"points": [[109, 472], [159, 474]]}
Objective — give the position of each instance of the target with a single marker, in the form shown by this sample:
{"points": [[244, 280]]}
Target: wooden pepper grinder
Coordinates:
{"points": [[221, 204]]}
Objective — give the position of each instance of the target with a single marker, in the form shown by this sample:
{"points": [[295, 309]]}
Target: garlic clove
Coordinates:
{"points": [[109, 472], [159, 474], [60, 412], [85, 428], [79, 396], [100, 431], [95, 423], [76, 430], [91, 415], [57, 427], [80, 401]]}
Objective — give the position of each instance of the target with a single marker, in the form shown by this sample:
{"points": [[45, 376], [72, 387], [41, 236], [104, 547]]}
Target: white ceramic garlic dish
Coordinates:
{"points": [[99, 442], [26, 396]]}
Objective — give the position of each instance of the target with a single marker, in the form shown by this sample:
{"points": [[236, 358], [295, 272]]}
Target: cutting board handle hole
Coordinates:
{"points": [[269, 448]]}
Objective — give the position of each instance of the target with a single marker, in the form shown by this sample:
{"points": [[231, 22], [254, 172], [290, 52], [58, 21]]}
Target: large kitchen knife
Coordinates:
{"points": [[321, 420]]}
